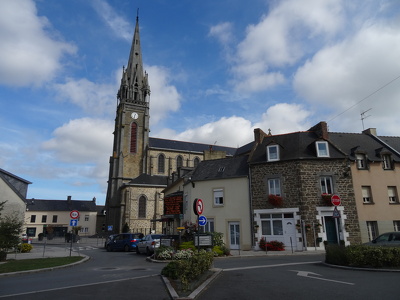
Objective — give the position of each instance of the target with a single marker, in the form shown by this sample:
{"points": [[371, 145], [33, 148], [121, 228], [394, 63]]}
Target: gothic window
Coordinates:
{"points": [[134, 138], [196, 162], [142, 207], [179, 162], [161, 163]]}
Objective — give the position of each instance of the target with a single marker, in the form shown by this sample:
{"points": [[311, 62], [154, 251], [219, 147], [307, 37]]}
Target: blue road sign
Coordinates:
{"points": [[73, 223], [110, 228], [202, 220]]}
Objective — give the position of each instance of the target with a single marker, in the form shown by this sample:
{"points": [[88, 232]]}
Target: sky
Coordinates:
{"points": [[217, 70]]}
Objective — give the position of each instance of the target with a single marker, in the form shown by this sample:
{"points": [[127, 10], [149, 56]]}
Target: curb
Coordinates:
{"points": [[85, 259], [360, 269]]}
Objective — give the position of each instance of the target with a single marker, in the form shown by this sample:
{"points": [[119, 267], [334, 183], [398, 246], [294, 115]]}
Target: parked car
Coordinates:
{"points": [[388, 239], [148, 244], [124, 241]]}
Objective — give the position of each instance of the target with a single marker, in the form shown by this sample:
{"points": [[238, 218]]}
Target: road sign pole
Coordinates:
{"points": [[198, 235]]}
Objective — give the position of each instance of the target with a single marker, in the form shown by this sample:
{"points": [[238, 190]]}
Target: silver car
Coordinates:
{"points": [[148, 244], [388, 239]]}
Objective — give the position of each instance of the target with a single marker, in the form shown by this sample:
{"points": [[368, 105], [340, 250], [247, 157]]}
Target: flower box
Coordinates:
{"points": [[275, 200]]}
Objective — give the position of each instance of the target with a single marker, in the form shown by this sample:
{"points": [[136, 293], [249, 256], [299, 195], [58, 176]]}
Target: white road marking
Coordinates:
{"points": [[306, 274]]}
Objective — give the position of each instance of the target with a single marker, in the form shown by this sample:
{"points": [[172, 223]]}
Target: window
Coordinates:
{"points": [[387, 162], [55, 217], [271, 224], [361, 160], [326, 185], [196, 162], [396, 225], [86, 218], [322, 149], [392, 194], [133, 137], [218, 196], [209, 227], [161, 164], [372, 227], [274, 186], [84, 230], [33, 218], [273, 153], [142, 207], [179, 162], [44, 219], [366, 194]]}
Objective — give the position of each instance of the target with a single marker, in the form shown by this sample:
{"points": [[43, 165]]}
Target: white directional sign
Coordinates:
{"points": [[73, 222]]}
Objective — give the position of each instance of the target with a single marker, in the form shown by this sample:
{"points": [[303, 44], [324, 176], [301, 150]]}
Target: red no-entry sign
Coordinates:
{"points": [[335, 199]]}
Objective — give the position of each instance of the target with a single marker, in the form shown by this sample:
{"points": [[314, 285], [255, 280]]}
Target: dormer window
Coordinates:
{"points": [[322, 149], [387, 162], [273, 153], [361, 160]]}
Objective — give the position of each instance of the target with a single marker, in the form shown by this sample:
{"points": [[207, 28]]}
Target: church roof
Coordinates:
{"points": [[165, 144], [145, 179], [61, 205]]}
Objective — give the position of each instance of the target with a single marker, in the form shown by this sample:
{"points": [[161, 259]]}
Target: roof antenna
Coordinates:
{"points": [[364, 117]]}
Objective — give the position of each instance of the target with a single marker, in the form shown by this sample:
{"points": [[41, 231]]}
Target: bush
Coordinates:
{"points": [[271, 246], [164, 252], [187, 245], [186, 270], [25, 248], [217, 251], [336, 255]]}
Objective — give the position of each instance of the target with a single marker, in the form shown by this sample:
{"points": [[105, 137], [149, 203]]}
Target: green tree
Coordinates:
{"points": [[10, 230]]}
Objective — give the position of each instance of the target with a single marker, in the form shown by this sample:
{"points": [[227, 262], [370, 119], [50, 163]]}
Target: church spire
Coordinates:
{"points": [[134, 83]]}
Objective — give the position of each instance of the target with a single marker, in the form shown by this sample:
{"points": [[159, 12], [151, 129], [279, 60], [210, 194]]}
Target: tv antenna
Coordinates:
{"points": [[363, 116]]}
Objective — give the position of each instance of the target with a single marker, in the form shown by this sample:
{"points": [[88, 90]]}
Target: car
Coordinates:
{"points": [[388, 239], [109, 239], [123, 241], [149, 243]]}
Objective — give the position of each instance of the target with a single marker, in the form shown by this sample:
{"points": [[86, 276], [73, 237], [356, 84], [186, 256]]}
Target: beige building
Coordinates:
{"points": [[53, 217], [13, 191]]}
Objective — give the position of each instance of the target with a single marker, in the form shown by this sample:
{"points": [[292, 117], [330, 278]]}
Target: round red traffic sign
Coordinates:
{"points": [[335, 199], [198, 206], [74, 214]]}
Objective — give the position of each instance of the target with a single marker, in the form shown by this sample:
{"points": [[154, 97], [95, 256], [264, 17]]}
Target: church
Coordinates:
{"points": [[141, 167]]}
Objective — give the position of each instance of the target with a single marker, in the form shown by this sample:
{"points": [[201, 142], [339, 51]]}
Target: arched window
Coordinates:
{"points": [[161, 163], [196, 162], [142, 207], [179, 162], [133, 137]]}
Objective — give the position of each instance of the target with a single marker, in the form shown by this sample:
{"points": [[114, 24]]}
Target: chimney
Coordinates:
{"points": [[69, 199], [370, 131], [259, 135], [321, 130], [94, 199]]}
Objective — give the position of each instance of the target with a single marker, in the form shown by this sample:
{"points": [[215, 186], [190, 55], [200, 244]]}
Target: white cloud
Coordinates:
{"points": [[164, 97], [28, 52], [223, 33], [94, 98], [119, 26]]}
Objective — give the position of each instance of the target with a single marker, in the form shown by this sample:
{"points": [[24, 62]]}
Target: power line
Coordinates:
{"points": [[365, 98]]}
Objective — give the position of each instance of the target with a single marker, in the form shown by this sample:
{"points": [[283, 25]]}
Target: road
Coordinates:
{"points": [[121, 275]]}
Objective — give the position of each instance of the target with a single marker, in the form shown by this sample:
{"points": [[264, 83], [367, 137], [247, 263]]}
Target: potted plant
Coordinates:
{"points": [[275, 200]]}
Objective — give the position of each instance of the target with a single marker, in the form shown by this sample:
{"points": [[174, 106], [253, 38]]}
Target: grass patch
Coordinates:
{"points": [[37, 263]]}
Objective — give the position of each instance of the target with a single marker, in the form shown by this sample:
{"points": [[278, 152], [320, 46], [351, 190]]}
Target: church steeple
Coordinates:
{"points": [[134, 82]]}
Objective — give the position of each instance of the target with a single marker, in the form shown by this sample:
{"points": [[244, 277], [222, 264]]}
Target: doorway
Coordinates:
{"points": [[234, 235], [331, 232]]}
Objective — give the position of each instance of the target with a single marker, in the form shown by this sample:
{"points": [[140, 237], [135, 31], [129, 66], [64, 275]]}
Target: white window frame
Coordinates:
{"points": [[361, 160], [218, 196], [274, 186], [273, 155], [326, 184], [372, 229], [322, 152], [387, 162], [209, 227], [86, 218], [396, 225], [392, 194], [366, 194]]}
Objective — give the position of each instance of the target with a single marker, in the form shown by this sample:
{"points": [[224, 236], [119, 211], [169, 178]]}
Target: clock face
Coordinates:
{"points": [[134, 115]]}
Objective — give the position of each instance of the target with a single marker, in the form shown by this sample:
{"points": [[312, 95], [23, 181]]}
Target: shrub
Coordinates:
{"points": [[217, 251], [164, 252], [187, 245], [336, 255], [183, 254], [25, 248], [271, 246]]}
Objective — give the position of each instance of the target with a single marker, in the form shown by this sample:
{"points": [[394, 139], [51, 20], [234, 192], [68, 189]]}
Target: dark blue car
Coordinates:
{"points": [[123, 242]]}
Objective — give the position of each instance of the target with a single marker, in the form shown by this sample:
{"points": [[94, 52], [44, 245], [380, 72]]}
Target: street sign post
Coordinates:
{"points": [[335, 199]]}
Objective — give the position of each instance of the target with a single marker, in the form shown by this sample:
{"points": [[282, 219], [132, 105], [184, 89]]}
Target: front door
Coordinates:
{"points": [[289, 229], [331, 234], [234, 235]]}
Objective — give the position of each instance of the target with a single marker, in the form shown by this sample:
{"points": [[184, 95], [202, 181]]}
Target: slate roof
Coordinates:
{"points": [[296, 145], [17, 184], [157, 143], [351, 143], [145, 179], [61, 205], [221, 169]]}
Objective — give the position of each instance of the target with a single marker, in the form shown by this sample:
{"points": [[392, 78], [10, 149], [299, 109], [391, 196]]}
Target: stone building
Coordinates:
{"points": [[293, 177], [142, 166]]}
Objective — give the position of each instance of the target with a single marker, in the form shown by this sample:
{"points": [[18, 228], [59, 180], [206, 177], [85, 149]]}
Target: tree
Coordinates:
{"points": [[10, 230]]}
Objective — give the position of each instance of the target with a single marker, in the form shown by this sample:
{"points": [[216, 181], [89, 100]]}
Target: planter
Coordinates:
{"points": [[275, 200], [327, 199]]}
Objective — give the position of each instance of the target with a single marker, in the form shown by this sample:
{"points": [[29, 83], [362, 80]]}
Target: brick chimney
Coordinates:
{"points": [[259, 135], [321, 130]]}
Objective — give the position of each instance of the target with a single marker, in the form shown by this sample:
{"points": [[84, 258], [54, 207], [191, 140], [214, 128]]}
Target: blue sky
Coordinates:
{"points": [[217, 70]]}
